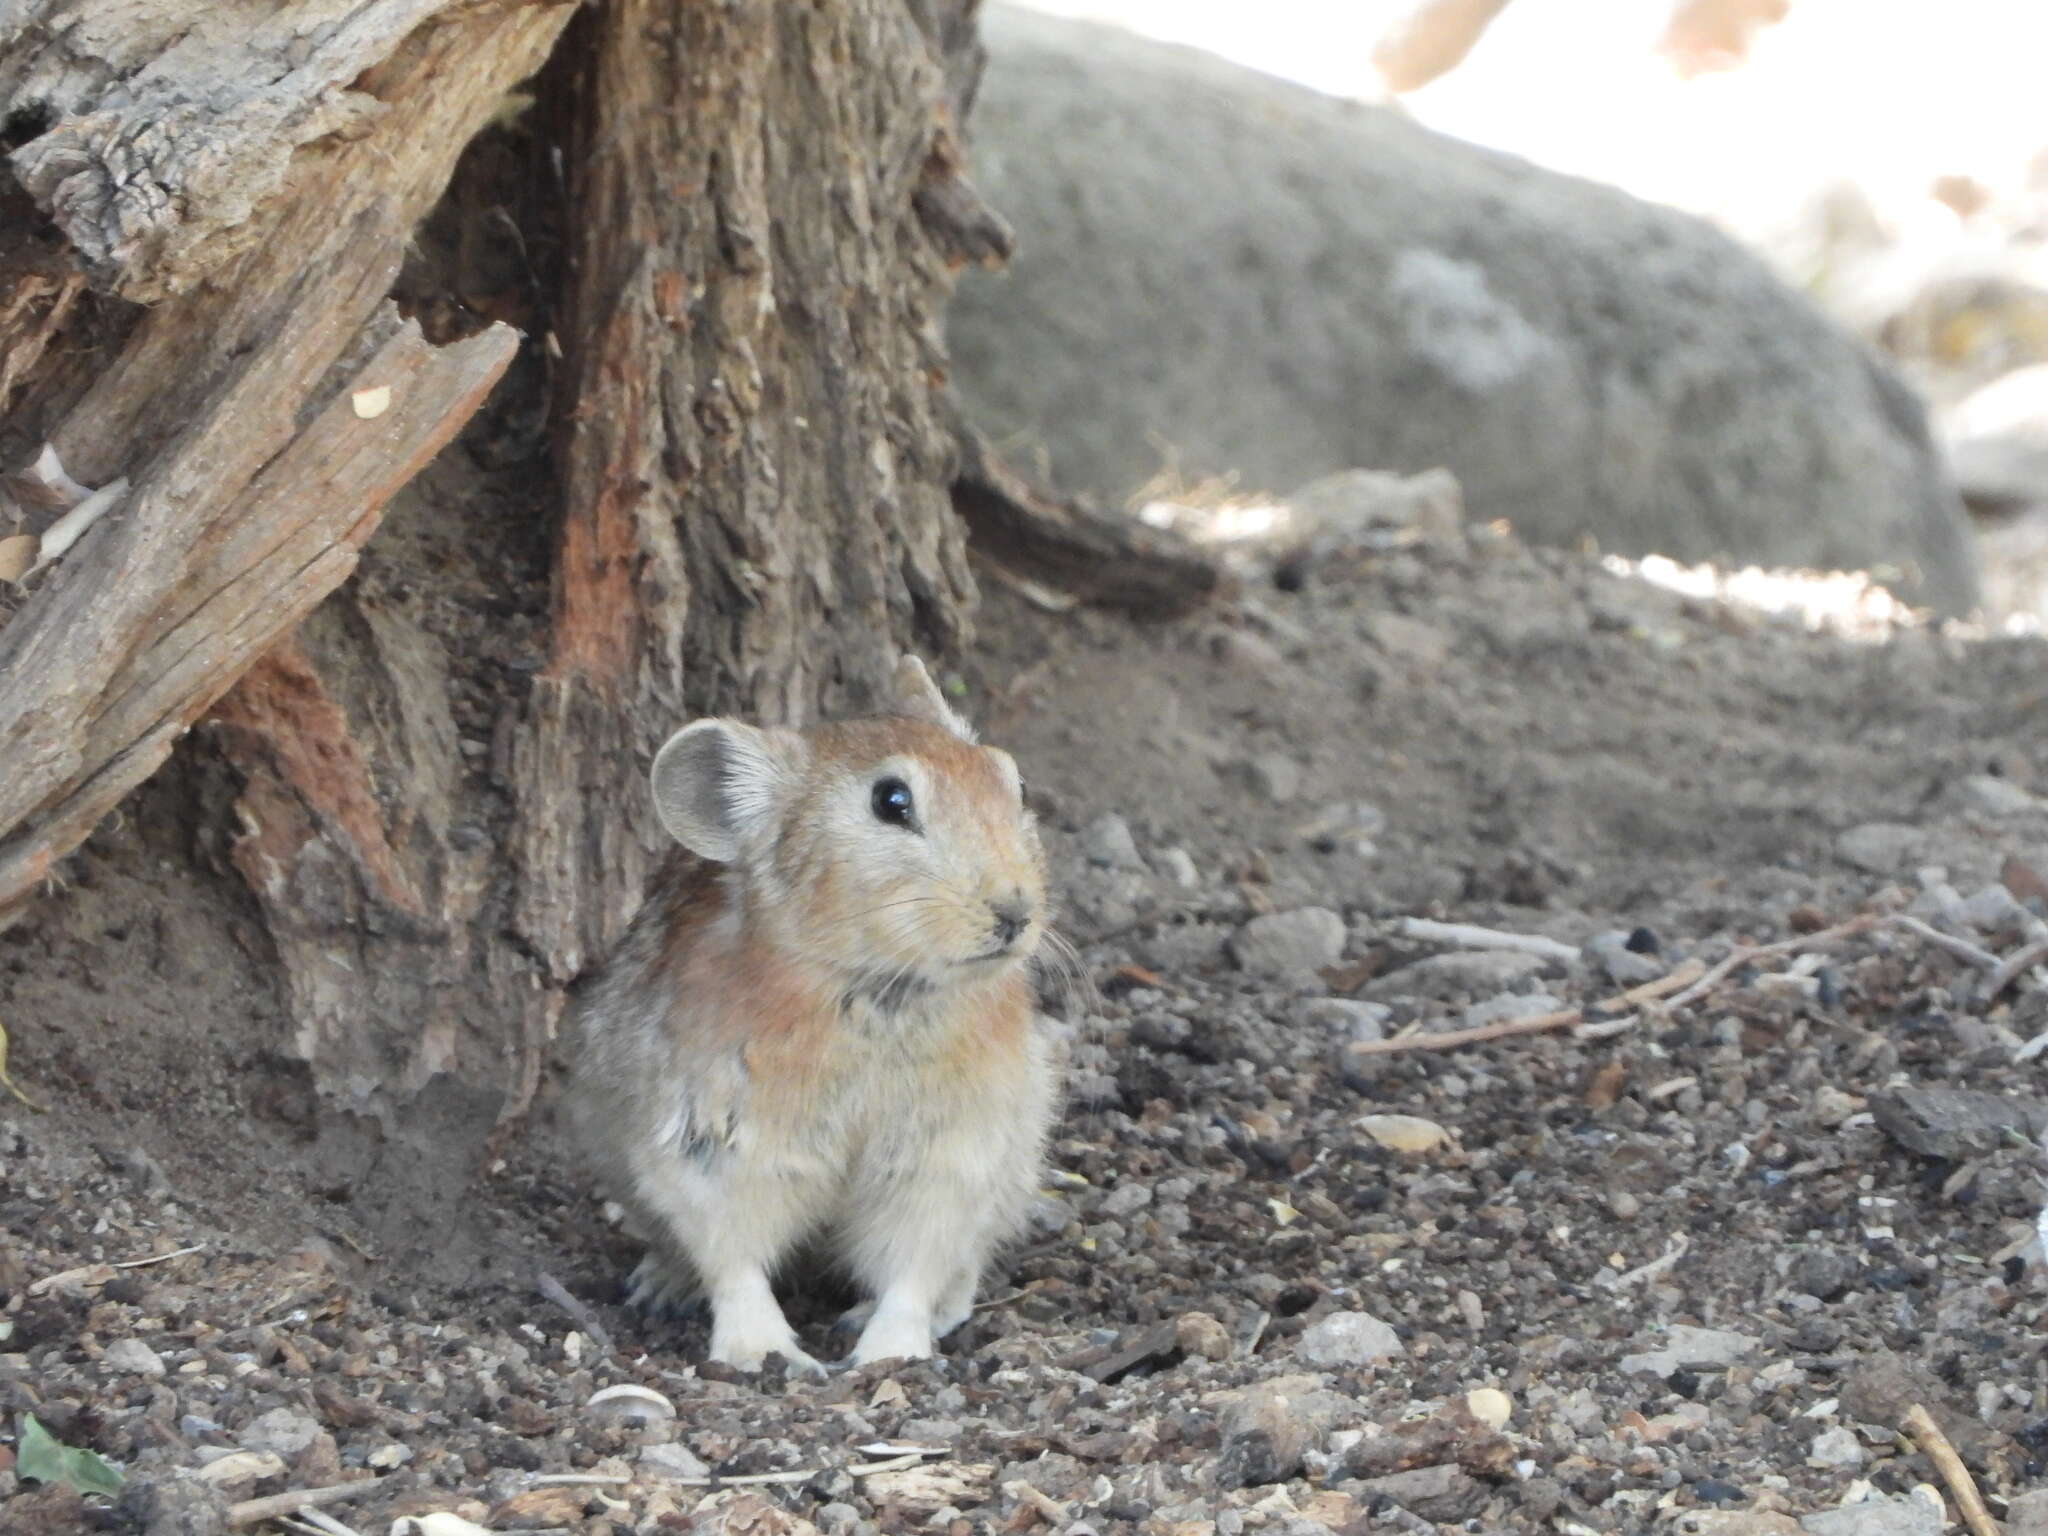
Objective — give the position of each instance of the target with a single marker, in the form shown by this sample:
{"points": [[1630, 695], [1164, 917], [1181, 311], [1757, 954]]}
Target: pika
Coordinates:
{"points": [[822, 1027]]}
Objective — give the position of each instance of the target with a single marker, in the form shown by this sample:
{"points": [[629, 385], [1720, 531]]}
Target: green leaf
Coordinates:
{"points": [[42, 1456]]}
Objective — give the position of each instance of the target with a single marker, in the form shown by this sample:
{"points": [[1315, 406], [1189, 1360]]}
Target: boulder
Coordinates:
{"points": [[1252, 277]]}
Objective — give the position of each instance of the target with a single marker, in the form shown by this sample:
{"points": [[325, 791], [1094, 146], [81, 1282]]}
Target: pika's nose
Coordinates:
{"points": [[1012, 918]]}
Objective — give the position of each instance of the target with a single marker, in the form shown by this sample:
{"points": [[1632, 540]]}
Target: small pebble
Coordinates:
{"points": [[1107, 842], [1348, 1338], [136, 1357]]}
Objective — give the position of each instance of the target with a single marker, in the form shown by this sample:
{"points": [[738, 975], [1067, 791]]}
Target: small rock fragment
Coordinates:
{"points": [[1490, 1406], [1289, 945], [135, 1357], [1273, 776], [1461, 973], [672, 1460], [1836, 1450], [280, 1430], [1197, 1333], [1127, 1199], [1991, 795], [1176, 865], [1345, 1017], [1403, 1133], [1881, 847], [1684, 1345], [1626, 966], [1442, 1494], [1106, 841], [1901, 1516], [1347, 1338]]}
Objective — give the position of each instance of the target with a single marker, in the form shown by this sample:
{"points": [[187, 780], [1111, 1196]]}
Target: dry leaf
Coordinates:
{"points": [[17, 555], [372, 402]]}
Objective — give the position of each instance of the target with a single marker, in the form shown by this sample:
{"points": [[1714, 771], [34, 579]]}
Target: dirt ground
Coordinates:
{"points": [[1689, 1271]]}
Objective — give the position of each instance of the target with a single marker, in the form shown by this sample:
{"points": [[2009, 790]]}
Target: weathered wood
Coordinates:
{"points": [[1114, 562], [228, 407], [754, 461]]}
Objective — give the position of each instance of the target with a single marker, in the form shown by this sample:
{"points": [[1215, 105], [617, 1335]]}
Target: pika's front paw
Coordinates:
{"points": [[897, 1338], [750, 1352]]}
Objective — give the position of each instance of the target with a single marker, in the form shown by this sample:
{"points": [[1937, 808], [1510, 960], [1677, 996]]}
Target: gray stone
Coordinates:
{"points": [[1107, 841], [669, 1459], [1682, 1345], [1273, 776], [1881, 847], [1509, 1005], [1290, 945], [2027, 1515], [1992, 910], [279, 1431], [1459, 973], [1177, 866], [1624, 967], [1346, 1017], [1902, 1516], [1126, 1200], [1990, 795], [1344, 287], [1836, 1450], [1443, 1494], [134, 1356], [1347, 1338], [1348, 823]]}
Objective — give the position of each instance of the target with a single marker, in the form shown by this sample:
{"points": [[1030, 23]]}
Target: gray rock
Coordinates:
{"points": [[1273, 776], [669, 1459], [1683, 1345], [1836, 1450], [1902, 1516], [1126, 1200], [136, 1357], [1992, 909], [2027, 1515], [1990, 795], [279, 1431], [1345, 287], [1347, 1338], [1106, 841], [1346, 1017], [1289, 945], [1624, 967], [1460, 973], [1881, 847], [1509, 1005], [1177, 866], [1348, 823]]}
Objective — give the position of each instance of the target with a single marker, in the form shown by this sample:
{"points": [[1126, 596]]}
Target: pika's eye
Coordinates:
{"points": [[891, 802]]}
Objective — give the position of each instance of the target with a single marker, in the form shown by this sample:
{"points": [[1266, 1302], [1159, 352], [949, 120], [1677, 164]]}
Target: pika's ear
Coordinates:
{"points": [[918, 697], [719, 787]]}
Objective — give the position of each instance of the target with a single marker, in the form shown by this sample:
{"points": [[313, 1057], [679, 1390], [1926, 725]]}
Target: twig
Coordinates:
{"points": [[1467, 936], [160, 1258], [1451, 1039], [314, 1520], [1962, 949], [1743, 954], [1919, 1423], [584, 1318], [2010, 968], [271, 1505]]}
